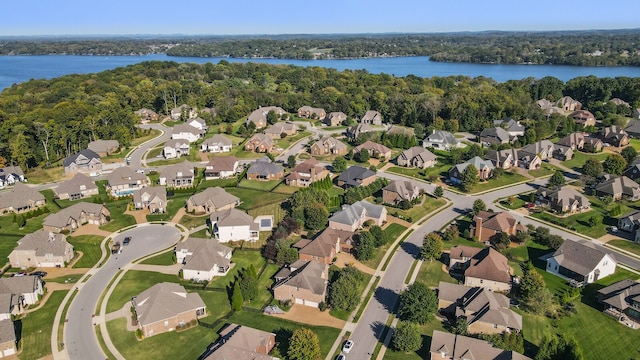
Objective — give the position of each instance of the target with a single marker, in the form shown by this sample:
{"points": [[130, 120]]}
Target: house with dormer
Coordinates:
{"points": [[259, 143], [513, 127], [179, 175], [505, 159], [210, 200], [303, 282], [484, 167], [417, 156], [377, 151], [221, 167], [41, 249], [9, 175], [240, 342], [583, 118], [482, 267], [448, 346], [306, 173], [355, 176], [85, 161], [352, 217], [399, 190], [335, 118], [371, 117], [20, 199], [203, 259], [326, 245], [153, 198], [281, 129]]}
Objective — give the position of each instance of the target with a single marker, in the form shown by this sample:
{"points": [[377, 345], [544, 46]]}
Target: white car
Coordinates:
{"points": [[347, 346]]}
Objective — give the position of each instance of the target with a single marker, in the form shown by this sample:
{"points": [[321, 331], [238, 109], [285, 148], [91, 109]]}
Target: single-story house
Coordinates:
{"points": [[356, 176], [259, 143], [86, 161], [376, 150], [417, 157], [153, 198], [241, 342], [326, 246], [78, 187], [513, 127], [306, 172], [71, 218], [580, 262], [328, 146], [264, 170], [618, 187], [203, 259], [305, 284], [621, 300], [281, 129], [21, 198], [7, 338], [175, 148], [482, 267], [311, 113], [563, 200], [104, 147], [210, 200], [448, 346], [218, 143], [399, 190], [41, 249], [487, 224], [123, 181], [187, 132], [495, 135], [484, 167], [353, 216], [178, 175], [221, 167], [442, 140], [166, 306]]}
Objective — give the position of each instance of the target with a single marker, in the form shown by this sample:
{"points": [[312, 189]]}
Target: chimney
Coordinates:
{"points": [[478, 232]]}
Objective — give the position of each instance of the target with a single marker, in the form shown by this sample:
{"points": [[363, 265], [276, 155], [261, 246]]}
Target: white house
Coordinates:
{"points": [[187, 132], [175, 148], [218, 143], [10, 174], [580, 263], [30, 287], [203, 259], [197, 123], [233, 225]]}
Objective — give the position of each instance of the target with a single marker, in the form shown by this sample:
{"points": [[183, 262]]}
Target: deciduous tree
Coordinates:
{"points": [[418, 303], [304, 345], [406, 337], [431, 247], [614, 164]]}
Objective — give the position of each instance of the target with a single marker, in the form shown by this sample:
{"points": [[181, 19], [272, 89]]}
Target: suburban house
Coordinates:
{"points": [[187, 132], [41, 249], [353, 216], [306, 173], [513, 127], [328, 146], [176, 148], [218, 143], [580, 263], [104, 147], [233, 225], [241, 342], [486, 311], [621, 300], [529, 161], [631, 223], [20, 199], [178, 175], [29, 287], [259, 116], [487, 224], [76, 215], [78, 187], [562, 153], [7, 338], [264, 170], [636, 114], [86, 161], [376, 150], [356, 176], [495, 135], [188, 111], [326, 246], [123, 181], [442, 140], [304, 282], [146, 115], [484, 167], [166, 306], [583, 117], [221, 167], [574, 140], [633, 128], [633, 171], [259, 143], [615, 135], [197, 123], [447, 346], [417, 156], [567, 103], [335, 118], [399, 190], [203, 259], [549, 108], [281, 130], [153, 198], [371, 117], [354, 131], [543, 149], [9, 175], [565, 199], [309, 112], [210, 200], [482, 267], [504, 159], [618, 187]]}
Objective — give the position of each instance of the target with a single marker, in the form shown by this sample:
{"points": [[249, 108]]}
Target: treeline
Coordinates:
{"points": [[578, 48], [43, 121]]}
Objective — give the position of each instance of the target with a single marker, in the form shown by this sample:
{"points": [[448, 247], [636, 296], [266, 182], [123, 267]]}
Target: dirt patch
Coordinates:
{"points": [[393, 219], [345, 259], [90, 229], [609, 237], [53, 273], [139, 215], [178, 216], [310, 315]]}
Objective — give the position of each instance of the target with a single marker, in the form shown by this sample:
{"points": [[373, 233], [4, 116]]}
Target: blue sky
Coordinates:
{"points": [[211, 17]]}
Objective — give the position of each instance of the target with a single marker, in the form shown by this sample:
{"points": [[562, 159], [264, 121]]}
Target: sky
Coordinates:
{"points": [[235, 17]]}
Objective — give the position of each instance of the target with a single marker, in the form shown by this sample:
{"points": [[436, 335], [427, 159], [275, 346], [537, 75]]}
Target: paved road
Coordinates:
{"points": [[80, 337], [136, 157]]}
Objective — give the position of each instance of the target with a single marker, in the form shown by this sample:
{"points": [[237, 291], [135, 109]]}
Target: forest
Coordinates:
{"points": [[43, 121], [577, 48]]}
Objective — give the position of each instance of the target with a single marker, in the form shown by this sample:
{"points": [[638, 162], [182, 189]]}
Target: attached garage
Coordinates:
{"points": [[311, 303], [299, 301]]}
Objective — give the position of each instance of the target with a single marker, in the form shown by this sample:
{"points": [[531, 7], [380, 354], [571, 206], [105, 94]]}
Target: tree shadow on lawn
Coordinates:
{"points": [[535, 254], [387, 297], [424, 351], [530, 349], [283, 335], [411, 249]]}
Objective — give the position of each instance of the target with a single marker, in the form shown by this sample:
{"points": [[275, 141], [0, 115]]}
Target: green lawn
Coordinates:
{"points": [[10, 232], [418, 211], [166, 258], [37, 326], [507, 178], [515, 202], [259, 185], [119, 219], [392, 231], [626, 245], [255, 198], [284, 328], [580, 158], [545, 170], [287, 141], [133, 283], [431, 273], [224, 183], [241, 260], [174, 204], [440, 171], [147, 136], [90, 247], [285, 189], [423, 353], [190, 221]]}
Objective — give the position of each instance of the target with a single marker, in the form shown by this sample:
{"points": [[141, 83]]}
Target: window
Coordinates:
{"points": [[495, 326], [166, 323]]}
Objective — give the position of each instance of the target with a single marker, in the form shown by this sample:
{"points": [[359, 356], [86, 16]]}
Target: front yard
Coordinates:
{"points": [[89, 245], [580, 158], [37, 326], [418, 211], [508, 178]]}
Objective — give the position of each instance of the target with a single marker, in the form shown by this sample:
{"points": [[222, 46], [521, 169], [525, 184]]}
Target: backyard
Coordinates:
{"points": [[580, 158]]}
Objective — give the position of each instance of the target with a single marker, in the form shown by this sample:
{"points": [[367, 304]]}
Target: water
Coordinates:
{"points": [[17, 69]]}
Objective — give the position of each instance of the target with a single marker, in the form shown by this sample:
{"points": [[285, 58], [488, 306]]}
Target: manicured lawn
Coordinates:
{"points": [[504, 180], [255, 198], [392, 231], [153, 153], [152, 133], [284, 328], [418, 211], [133, 283], [218, 305], [166, 258], [190, 221], [90, 247], [285, 189], [580, 158], [69, 279], [286, 142], [162, 346], [515, 202], [259, 185], [174, 204], [434, 173], [264, 285], [224, 183], [423, 353], [626, 245], [431, 273], [119, 219], [545, 170], [37, 326], [241, 260], [335, 191], [274, 209]]}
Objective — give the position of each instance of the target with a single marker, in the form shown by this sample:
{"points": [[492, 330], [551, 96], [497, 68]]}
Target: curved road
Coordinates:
{"points": [[80, 337]]}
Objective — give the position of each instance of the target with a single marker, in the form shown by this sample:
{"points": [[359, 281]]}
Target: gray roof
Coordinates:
{"points": [[124, 175], [441, 136], [7, 332], [496, 132], [563, 196], [206, 253], [538, 147], [186, 128], [578, 257], [404, 188], [222, 163], [231, 217], [159, 192], [61, 218], [19, 196], [464, 347], [418, 151], [331, 143], [351, 214], [633, 126], [354, 174], [500, 156], [103, 145], [239, 342], [179, 170], [89, 154], [44, 242], [264, 168], [260, 114], [10, 170], [281, 127], [311, 277], [217, 139], [371, 115], [177, 143], [75, 185], [477, 162], [163, 301], [217, 195], [19, 284], [619, 185], [372, 147], [510, 124]]}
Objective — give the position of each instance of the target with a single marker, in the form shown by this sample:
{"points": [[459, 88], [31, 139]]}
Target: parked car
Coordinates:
{"points": [[614, 229], [21, 273], [115, 248], [126, 241], [39, 273], [341, 357], [347, 346]]}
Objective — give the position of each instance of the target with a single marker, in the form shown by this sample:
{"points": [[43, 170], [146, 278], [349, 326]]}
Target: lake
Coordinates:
{"points": [[17, 69]]}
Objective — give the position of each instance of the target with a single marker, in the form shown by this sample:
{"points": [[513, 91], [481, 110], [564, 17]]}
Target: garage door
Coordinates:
{"points": [[311, 303], [299, 301], [8, 352]]}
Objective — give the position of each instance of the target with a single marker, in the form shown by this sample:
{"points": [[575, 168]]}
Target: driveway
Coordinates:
{"points": [[312, 316], [79, 336]]}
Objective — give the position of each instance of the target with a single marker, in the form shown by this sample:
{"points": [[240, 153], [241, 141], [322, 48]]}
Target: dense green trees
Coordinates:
{"points": [[559, 347], [469, 177], [556, 180], [406, 337], [343, 288], [304, 345], [592, 168], [478, 205], [431, 247], [418, 303], [614, 164]]}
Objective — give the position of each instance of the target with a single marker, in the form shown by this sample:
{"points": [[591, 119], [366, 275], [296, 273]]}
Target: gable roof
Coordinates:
{"points": [[222, 163], [478, 162], [468, 348], [331, 143], [572, 140], [216, 195], [619, 185], [20, 284], [177, 143], [420, 152], [260, 115], [578, 257], [308, 166], [103, 145], [500, 221], [401, 130], [351, 214], [355, 173], [311, 276], [124, 175], [182, 169], [20, 196], [404, 188], [10, 170], [489, 264], [61, 218], [206, 253], [322, 244], [281, 127], [44, 242], [217, 139], [442, 136], [510, 125], [563, 196], [264, 168], [371, 146], [7, 332], [163, 301], [371, 115], [498, 157], [87, 153], [159, 192], [496, 132], [239, 342], [231, 217], [186, 128], [79, 182]]}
